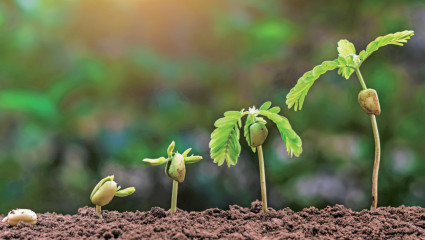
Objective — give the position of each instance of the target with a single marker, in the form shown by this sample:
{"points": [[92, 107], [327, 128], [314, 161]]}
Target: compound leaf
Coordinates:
{"points": [[297, 94], [347, 51], [266, 105], [274, 110], [398, 38], [248, 123], [345, 48], [292, 141], [346, 62], [224, 143]]}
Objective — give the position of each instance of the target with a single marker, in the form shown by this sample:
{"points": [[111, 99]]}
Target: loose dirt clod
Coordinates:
{"points": [[336, 222]]}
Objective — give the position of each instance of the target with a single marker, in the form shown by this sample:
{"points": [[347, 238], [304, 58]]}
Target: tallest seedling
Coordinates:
{"points": [[225, 145], [347, 63]]}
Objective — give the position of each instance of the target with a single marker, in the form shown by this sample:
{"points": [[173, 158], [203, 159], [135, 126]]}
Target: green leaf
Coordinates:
{"points": [[232, 114], [346, 51], [346, 62], [192, 159], [345, 48], [224, 143], [398, 38], [350, 63], [266, 105], [362, 54], [274, 110], [185, 153], [125, 192], [248, 123], [297, 94], [156, 161], [292, 141], [171, 148]]}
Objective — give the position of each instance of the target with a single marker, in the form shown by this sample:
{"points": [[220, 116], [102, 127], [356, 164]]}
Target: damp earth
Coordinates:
{"points": [[234, 223]]}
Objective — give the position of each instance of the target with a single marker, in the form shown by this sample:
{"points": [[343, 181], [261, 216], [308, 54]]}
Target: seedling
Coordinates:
{"points": [[105, 191], [348, 63], [175, 168], [20, 215], [225, 145]]}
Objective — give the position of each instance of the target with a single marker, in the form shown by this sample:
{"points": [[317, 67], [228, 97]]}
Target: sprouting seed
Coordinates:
{"points": [[175, 168], [105, 191]]}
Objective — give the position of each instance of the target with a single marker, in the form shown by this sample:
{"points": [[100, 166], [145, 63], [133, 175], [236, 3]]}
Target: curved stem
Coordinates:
{"points": [[174, 197], [99, 211], [360, 77], [377, 150], [262, 178], [375, 164]]}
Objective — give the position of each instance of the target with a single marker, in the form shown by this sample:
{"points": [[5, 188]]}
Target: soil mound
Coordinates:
{"points": [[235, 223]]}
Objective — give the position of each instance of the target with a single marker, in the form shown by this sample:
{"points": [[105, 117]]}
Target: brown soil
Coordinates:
{"points": [[235, 223]]}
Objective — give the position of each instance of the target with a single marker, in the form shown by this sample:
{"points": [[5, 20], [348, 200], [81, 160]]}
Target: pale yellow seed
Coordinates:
{"points": [[17, 215], [105, 194]]}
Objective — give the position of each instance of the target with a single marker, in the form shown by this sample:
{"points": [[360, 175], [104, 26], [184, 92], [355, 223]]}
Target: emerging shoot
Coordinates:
{"points": [[347, 63], [105, 191], [225, 145], [175, 168]]}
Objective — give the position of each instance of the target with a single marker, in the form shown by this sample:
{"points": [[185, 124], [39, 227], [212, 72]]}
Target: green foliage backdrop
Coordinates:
{"points": [[90, 88]]}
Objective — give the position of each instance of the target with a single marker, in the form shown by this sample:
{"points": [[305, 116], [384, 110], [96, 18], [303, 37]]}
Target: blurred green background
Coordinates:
{"points": [[90, 88]]}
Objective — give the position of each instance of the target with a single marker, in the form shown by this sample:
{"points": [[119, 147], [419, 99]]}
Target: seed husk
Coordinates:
{"points": [[176, 168], [368, 100], [104, 194], [258, 133]]}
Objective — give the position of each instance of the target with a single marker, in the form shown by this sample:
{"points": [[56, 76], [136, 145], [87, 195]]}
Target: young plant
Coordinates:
{"points": [[225, 145], [175, 168], [105, 191], [347, 63]]}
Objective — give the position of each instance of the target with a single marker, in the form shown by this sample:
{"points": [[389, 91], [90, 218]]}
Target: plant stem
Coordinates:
{"points": [[99, 211], [377, 150], [262, 178], [174, 197], [360, 77], [375, 164]]}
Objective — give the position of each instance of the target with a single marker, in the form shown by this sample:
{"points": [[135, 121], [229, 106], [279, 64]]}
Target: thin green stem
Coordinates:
{"points": [[375, 164], [99, 211], [174, 197], [262, 178], [377, 150], [252, 117], [360, 77]]}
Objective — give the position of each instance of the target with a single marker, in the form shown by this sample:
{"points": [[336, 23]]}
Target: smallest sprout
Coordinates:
{"points": [[105, 191], [20, 215]]}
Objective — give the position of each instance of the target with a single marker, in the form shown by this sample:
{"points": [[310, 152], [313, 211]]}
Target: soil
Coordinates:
{"points": [[336, 222]]}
